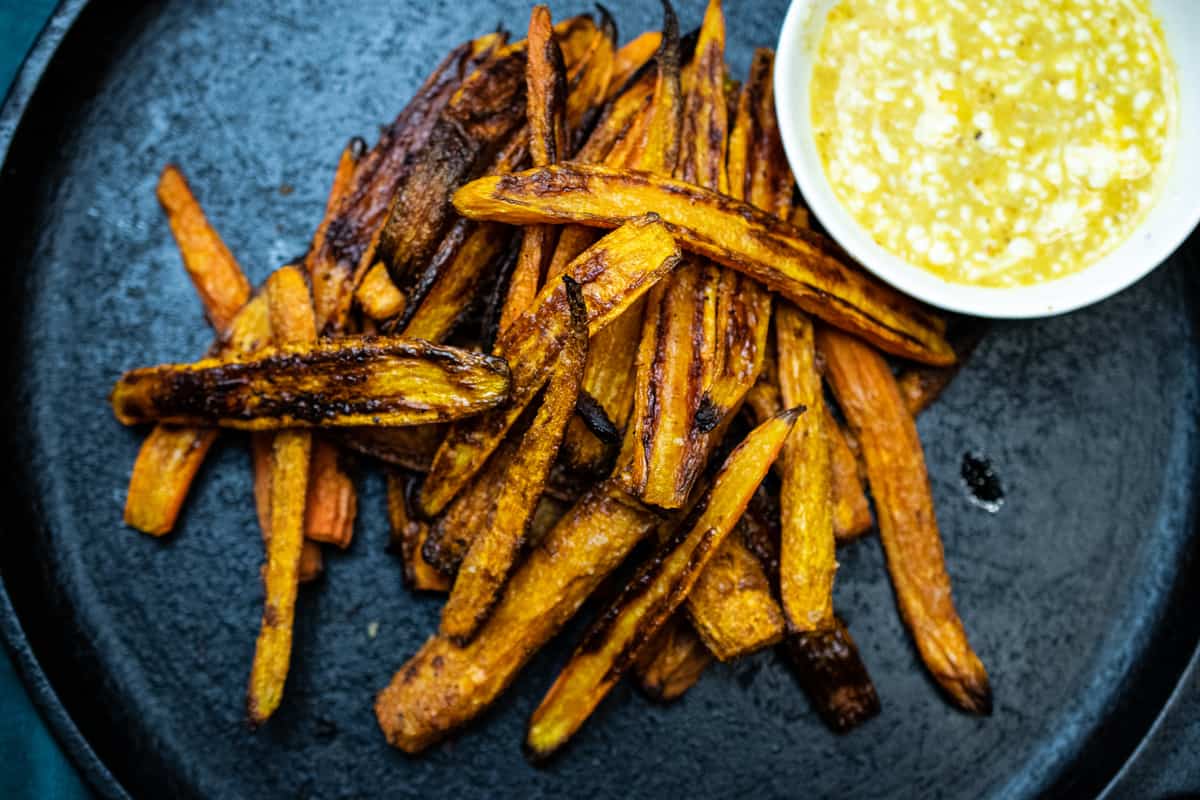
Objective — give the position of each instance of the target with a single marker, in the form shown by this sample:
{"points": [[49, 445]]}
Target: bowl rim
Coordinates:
{"points": [[1134, 258]]}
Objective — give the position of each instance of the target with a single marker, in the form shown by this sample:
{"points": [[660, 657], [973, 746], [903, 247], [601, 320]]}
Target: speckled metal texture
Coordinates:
{"points": [[1078, 593]]}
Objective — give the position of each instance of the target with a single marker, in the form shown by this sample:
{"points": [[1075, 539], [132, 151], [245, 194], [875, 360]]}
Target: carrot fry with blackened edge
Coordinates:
{"points": [[613, 274], [866, 392], [807, 561], [831, 672], [332, 383], [611, 645], [631, 57], [292, 322], [798, 264], [490, 559], [445, 686]]}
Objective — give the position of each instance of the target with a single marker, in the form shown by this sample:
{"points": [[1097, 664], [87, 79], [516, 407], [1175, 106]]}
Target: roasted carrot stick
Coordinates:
{"points": [[867, 394], [546, 111], [611, 645], [492, 554], [332, 500], [807, 558], [312, 562], [292, 322], [331, 383], [218, 279]]}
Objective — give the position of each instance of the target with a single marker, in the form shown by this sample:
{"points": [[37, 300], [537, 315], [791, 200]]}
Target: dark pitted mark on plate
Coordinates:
{"points": [[982, 482]]}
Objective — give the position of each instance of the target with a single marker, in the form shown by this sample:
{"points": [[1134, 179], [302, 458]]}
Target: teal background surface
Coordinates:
{"points": [[34, 766]]}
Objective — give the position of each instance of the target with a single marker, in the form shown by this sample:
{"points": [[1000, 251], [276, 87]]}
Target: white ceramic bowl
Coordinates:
{"points": [[1169, 222]]}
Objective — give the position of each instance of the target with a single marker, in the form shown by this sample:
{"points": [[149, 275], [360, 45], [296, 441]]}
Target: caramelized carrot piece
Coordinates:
{"points": [[632, 57], [611, 645], [546, 111], [378, 296], [866, 391], [803, 266], [292, 322]]}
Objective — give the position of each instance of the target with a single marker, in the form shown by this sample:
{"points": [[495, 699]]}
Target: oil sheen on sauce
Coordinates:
{"points": [[994, 142]]}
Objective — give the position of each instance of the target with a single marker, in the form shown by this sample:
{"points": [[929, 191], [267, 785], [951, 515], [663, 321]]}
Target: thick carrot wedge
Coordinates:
{"points": [[807, 549], [672, 662], [494, 551], [867, 393], [292, 322], [341, 382], [445, 686], [800, 265], [453, 532], [612, 274], [611, 645]]}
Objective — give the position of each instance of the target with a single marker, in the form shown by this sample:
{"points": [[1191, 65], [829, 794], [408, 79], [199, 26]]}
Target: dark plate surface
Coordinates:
{"points": [[1078, 593]]}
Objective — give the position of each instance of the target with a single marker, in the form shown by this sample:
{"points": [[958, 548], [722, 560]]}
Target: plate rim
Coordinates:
{"points": [[95, 773]]}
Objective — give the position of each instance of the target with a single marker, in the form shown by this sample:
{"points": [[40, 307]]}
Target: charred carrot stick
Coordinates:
{"points": [[292, 322], [332, 383], [332, 499], [632, 56], [611, 645], [492, 554], [262, 459], [800, 265], [866, 392]]}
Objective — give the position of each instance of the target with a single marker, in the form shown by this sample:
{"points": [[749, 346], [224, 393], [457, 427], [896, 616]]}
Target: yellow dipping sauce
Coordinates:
{"points": [[994, 142]]}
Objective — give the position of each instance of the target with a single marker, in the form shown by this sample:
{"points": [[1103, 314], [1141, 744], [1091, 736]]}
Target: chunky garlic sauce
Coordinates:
{"points": [[994, 142]]}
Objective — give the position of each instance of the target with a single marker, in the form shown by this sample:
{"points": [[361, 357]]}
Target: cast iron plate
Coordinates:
{"points": [[1078, 593]]}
